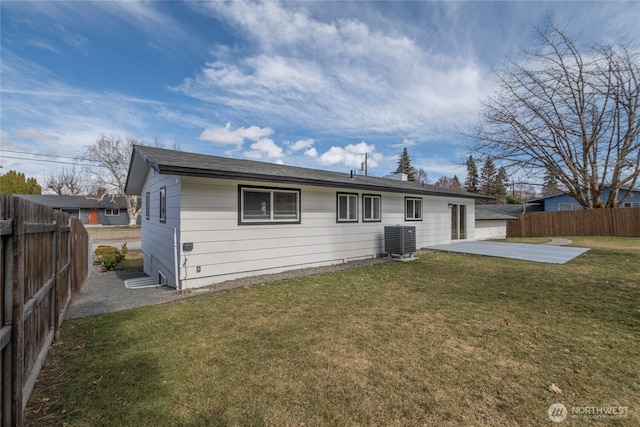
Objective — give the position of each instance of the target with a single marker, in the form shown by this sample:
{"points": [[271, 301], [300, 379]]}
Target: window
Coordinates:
{"points": [[458, 222], [266, 205], [371, 207], [163, 204], [569, 206], [112, 212], [632, 205], [347, 209], [147, 205], [412, 209]]}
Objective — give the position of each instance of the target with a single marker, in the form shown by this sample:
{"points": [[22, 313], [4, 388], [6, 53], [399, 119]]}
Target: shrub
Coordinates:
{"points": [[124, 249], [110, 261], [108, 256]]}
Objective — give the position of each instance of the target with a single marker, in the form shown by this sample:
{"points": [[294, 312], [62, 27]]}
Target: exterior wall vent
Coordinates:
{"points": [[399, 240]]}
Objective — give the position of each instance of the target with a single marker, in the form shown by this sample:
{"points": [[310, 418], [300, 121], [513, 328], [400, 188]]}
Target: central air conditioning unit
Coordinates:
{"points": [[400, 240]]}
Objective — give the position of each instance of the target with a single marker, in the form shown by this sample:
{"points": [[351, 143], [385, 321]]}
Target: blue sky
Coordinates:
{"points": [[313, 84]]}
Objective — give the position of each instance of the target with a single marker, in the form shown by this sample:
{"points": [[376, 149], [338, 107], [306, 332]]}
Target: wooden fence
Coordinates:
{"points": [[44, 261], [622, 222]]}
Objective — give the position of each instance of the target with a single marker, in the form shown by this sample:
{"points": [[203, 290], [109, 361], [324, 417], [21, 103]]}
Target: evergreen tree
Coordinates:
{"points": [[471, 183], [502, 180], [550, 184], [488, 176], [15, 183], [404, 165]]}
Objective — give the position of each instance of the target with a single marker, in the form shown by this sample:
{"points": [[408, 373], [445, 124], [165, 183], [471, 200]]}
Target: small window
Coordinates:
{"points": [[632, 205], [371, 208], [347, 207], [163, 204], [267, 205], [112, 212], [147, 205], [570, 206], [413, 209]]}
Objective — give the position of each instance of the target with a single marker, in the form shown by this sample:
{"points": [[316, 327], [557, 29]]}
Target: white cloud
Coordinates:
{"points": [[224, 135], [302, 144], [264, 148], [311, 152], [342, 74], [351, 155]]}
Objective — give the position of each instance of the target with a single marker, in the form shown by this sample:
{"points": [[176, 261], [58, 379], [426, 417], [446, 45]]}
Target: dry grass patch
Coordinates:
{"points": [[449, 339]]}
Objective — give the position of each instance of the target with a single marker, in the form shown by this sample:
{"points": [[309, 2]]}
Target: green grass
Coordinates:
{"points": [[447, 340], [133, 261]]}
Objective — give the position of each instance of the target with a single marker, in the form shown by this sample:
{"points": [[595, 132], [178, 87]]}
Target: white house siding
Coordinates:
{"points": [[157, 237], [224, 250], [491, 229]]}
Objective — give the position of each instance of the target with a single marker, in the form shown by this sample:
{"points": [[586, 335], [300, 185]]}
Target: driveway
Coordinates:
{"points": [[524, 251]]}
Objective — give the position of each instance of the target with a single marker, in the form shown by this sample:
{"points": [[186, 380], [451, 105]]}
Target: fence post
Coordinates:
{"points": [[17, 334]]}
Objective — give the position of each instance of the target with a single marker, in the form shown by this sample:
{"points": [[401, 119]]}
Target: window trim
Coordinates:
{"points": [[414, 199], [147, 205], [163, 205], [348, 195], [271, 191], [372, 197], [110, 211]]}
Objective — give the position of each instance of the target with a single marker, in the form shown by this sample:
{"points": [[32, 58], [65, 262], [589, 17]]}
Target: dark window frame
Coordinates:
{"points": [[414, 200], [348, 196], [270, 190], [147, 205], [163, 205], [372, 197], [110, 211]]}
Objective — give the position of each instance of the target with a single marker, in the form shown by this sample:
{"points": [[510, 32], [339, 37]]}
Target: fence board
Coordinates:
{"points": [[45, 262], [621, 222]]}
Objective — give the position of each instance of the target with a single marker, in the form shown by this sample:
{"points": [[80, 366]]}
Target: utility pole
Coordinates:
{"points": [[363, 165]]}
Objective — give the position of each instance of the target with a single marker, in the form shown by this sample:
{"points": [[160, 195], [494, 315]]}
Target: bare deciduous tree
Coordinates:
{"points": [[112, 156], [66, 182], [448, 182], [572, 112]]}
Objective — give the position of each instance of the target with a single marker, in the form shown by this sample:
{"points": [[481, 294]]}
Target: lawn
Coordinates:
{"points": [[447, 340]]}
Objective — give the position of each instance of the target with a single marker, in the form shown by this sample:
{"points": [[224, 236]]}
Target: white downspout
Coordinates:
{"points": [[175, 258]]}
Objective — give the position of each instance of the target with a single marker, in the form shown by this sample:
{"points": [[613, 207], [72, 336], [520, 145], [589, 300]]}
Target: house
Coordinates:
{"points": [[491, 220], [108, 211], [208, 219], [564, 202]]}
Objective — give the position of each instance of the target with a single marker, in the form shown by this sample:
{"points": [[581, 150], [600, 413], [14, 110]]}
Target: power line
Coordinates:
{"points": [[47, 161], [47, 155]]}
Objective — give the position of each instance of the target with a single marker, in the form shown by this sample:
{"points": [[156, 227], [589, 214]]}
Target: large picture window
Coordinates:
{"points": [[112, 212], [269, 205], [347, 209], [163, 204], [413, 209], [371, 208]]}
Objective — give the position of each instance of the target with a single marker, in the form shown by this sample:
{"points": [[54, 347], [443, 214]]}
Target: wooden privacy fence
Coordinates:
{"points": [[621, 222], [44, 261]]}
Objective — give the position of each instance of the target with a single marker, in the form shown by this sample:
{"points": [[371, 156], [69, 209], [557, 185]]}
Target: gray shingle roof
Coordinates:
{"points": [[496, 212], [171, 162], [75, 202]]}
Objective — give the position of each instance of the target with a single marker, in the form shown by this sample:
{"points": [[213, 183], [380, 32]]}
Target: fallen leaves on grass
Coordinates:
{"points": [[554, 389]]}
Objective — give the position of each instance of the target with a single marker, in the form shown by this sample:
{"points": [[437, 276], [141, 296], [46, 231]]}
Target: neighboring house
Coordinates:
{"points": [[563, 202], [207, 219], [491, 220], [109, 211]]}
